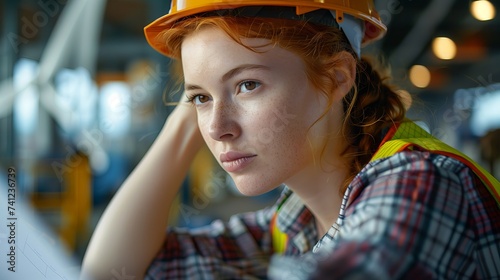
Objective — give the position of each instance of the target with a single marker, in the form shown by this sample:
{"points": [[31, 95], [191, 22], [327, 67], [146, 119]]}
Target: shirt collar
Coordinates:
{"points": [[296, 220]]}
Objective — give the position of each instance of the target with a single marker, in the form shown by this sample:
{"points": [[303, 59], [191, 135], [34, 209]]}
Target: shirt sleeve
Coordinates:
{"points": [[238, 249], [411, 218]]}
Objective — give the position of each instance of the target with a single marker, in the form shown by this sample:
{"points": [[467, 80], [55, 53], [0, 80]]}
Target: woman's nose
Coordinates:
{"points": [[223, 123]]}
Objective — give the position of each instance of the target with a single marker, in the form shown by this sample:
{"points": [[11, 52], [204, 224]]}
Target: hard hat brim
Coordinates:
{"points": [[374, 30]]}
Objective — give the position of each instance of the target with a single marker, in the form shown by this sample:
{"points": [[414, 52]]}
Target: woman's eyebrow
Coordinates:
{"points": [[191, 87], [229, 74], [235, 71]]}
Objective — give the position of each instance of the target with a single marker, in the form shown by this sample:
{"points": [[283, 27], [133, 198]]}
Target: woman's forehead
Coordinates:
{"points": [[212, 51], [212, 43]]}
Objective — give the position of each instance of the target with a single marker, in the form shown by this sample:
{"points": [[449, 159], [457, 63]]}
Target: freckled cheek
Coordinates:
{"points": [[287, 136], [294, 139], [281, 120]]}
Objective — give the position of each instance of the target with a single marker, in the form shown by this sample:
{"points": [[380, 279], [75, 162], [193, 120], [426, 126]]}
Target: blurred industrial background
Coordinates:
{"points": [[82, 99]]}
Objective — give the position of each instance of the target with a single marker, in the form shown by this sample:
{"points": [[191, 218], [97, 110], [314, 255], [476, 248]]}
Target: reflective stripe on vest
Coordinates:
{"points": [[409, 135], [280, 239], [404, 137]]}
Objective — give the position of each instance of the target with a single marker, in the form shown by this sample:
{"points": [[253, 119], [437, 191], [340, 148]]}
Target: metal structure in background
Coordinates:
{"points": [[74, 40], [418, 37], [73, 43]]}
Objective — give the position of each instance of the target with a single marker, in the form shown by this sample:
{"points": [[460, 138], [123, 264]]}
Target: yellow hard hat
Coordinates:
{"points": [[361, 9]]}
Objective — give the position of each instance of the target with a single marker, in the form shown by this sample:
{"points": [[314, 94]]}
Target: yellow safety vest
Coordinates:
{"points": [[406, 136]]}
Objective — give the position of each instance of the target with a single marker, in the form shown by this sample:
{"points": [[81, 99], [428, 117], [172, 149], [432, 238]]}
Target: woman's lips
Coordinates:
{"points": [[235, 161]]}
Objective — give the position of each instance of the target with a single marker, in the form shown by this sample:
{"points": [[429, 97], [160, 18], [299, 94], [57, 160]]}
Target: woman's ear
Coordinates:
{"points": [[344, 72]]}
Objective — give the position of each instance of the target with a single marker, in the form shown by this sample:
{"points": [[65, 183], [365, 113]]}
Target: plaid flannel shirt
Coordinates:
{"points": [[411, 215]]}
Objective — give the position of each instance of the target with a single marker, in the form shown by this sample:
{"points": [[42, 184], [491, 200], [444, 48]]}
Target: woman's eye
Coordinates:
{"points": [[199, 99], [248, 86]]}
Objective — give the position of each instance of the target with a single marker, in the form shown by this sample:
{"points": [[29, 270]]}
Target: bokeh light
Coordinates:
{"points": [[482, 10], [444, 48], [420, 76]]}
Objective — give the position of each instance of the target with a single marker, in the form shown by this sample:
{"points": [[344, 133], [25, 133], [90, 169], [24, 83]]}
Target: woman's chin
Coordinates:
{"points": [[249, 189]]}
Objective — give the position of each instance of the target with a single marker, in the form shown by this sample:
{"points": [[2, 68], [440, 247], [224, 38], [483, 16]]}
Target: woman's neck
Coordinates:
{"points": [[320, 193], [319, 184]]}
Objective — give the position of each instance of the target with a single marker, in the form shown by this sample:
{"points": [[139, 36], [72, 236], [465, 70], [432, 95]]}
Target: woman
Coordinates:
{"points": [[279, 93]]}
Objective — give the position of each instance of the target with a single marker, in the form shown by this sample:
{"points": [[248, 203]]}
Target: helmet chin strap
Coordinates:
{"points": [[354, 30]]}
